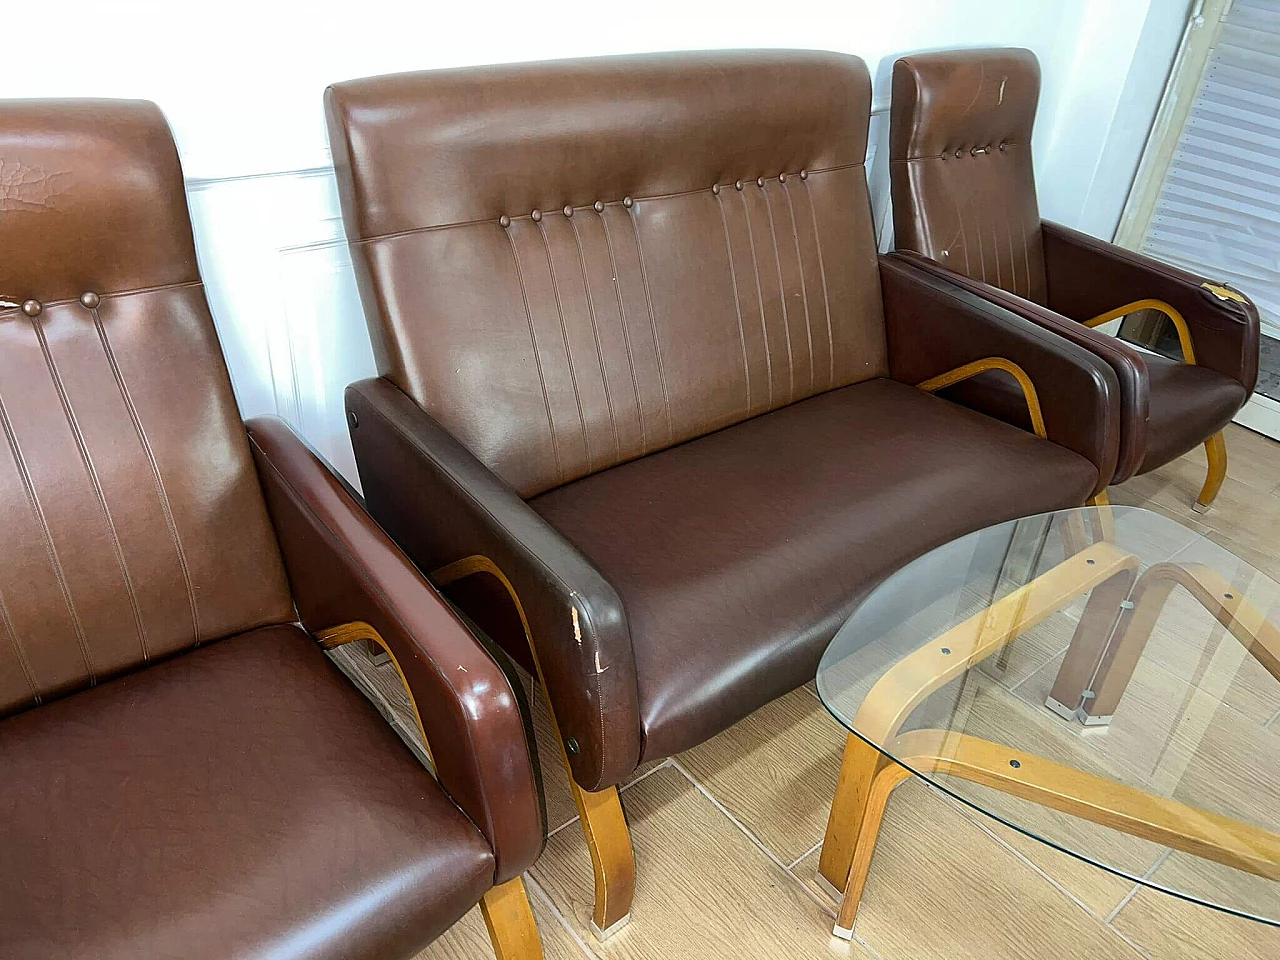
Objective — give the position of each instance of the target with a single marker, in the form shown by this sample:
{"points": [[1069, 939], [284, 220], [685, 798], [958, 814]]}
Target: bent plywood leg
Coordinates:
{"points": [[509, 918], [612, 858], [1089, 643], [600, 812], [858, 771], [1216, 450], [877, 799]]}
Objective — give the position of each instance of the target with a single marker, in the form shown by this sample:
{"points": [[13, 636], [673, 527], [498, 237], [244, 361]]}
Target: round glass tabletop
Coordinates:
{"points": [[1104, 680]]}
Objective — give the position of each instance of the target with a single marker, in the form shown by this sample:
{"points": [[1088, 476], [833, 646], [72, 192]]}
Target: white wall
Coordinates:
{"points": [[241, 84]]}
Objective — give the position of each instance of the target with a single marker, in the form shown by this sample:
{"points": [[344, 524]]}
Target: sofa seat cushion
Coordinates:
{"points": [[242, 800], [739, 554], [1189, 404]]}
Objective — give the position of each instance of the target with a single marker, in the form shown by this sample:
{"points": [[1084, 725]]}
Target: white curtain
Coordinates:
{"points": [[1219, 210]]}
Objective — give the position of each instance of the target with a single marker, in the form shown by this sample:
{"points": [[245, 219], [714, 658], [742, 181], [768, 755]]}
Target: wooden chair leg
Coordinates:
{"points": [[1216, 449], [862, 762], [612, 859], [512, 929]]}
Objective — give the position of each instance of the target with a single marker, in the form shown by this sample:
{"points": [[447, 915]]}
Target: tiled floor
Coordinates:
{"points": [[726, 835]]}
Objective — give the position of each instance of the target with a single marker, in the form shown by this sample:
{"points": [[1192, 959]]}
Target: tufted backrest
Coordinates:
{"points": [[964, 192], [133, 524], [573, 264]]}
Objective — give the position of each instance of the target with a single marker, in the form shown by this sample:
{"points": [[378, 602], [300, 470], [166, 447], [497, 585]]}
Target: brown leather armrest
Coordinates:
{"points": [[1088, 277], [934, 326], [442, 505], [1127, 363], [342, 567]]}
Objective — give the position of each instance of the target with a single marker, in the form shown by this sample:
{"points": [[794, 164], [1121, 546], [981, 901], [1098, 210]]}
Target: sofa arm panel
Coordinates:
{"points": [[343, 568], [1125, 361], [934, 326], [443, 505], [1089, 277]]}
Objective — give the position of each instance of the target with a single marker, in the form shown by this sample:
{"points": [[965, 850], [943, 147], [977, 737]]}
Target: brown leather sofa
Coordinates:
{"points": [[183, 773], [964, 196], [645, 376]]}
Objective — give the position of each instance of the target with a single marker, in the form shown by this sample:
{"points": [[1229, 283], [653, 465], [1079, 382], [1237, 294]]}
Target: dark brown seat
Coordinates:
{"points": [[644, 373], [183, 773], [738, 555], [964, 196]]}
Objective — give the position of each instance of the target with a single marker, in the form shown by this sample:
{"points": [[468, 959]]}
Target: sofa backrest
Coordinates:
{"points": [[964, 192], [573, 264], [132, 525]]}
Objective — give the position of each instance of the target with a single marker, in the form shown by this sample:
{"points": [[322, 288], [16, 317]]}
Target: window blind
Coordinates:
{"points": [[1219, 209]]}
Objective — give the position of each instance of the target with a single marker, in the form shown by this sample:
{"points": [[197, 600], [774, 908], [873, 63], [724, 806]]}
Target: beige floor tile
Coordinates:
{"points": [[469, 940], [776, 772], [940, 888], [1170, 928], [703, 889]]}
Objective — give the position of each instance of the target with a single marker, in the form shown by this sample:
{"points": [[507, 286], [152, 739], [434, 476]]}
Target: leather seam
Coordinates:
{"points": [[166, 506], [755, 268], [475, 221], [737, 300], [595, 335], [626, 333], [782, 299], [653, 323], [177, 285], [826, 297], [568, 351], [82, 447], [804, 291]]}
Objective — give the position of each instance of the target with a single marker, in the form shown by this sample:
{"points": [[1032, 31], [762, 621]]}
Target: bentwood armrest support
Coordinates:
{"points": [[443, 505], [1125, 361], [344, 569], [1088, 277], [934, 326]]}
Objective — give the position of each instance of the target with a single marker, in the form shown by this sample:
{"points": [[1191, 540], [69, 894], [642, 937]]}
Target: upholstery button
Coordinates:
{"points": [[537, 215], [959, 154], [90, 300], [782, 178], [759, 181], [1004, 145], [804, 174], [504, 221], [627, 202], [737, 185], [32, 308], [568, 210], [715, 188], [598, 207]]}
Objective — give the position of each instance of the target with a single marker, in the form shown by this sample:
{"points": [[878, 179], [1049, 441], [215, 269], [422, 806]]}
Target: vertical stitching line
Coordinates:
{"points": [[653, 323], [564, 335], [165, 506], [626, 334], [804, 292], [782, 297], [83, 448], [755, 267], [1013, 256], [826, 300], [34, 502], [737, 302], [964, 236], [12, 632], [1026, 258], [537, 358], [595, 333]]}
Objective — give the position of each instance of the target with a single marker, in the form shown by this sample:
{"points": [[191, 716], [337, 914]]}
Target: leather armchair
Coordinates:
{"points": [[183, 773], [648, 405], [964, 199]]}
